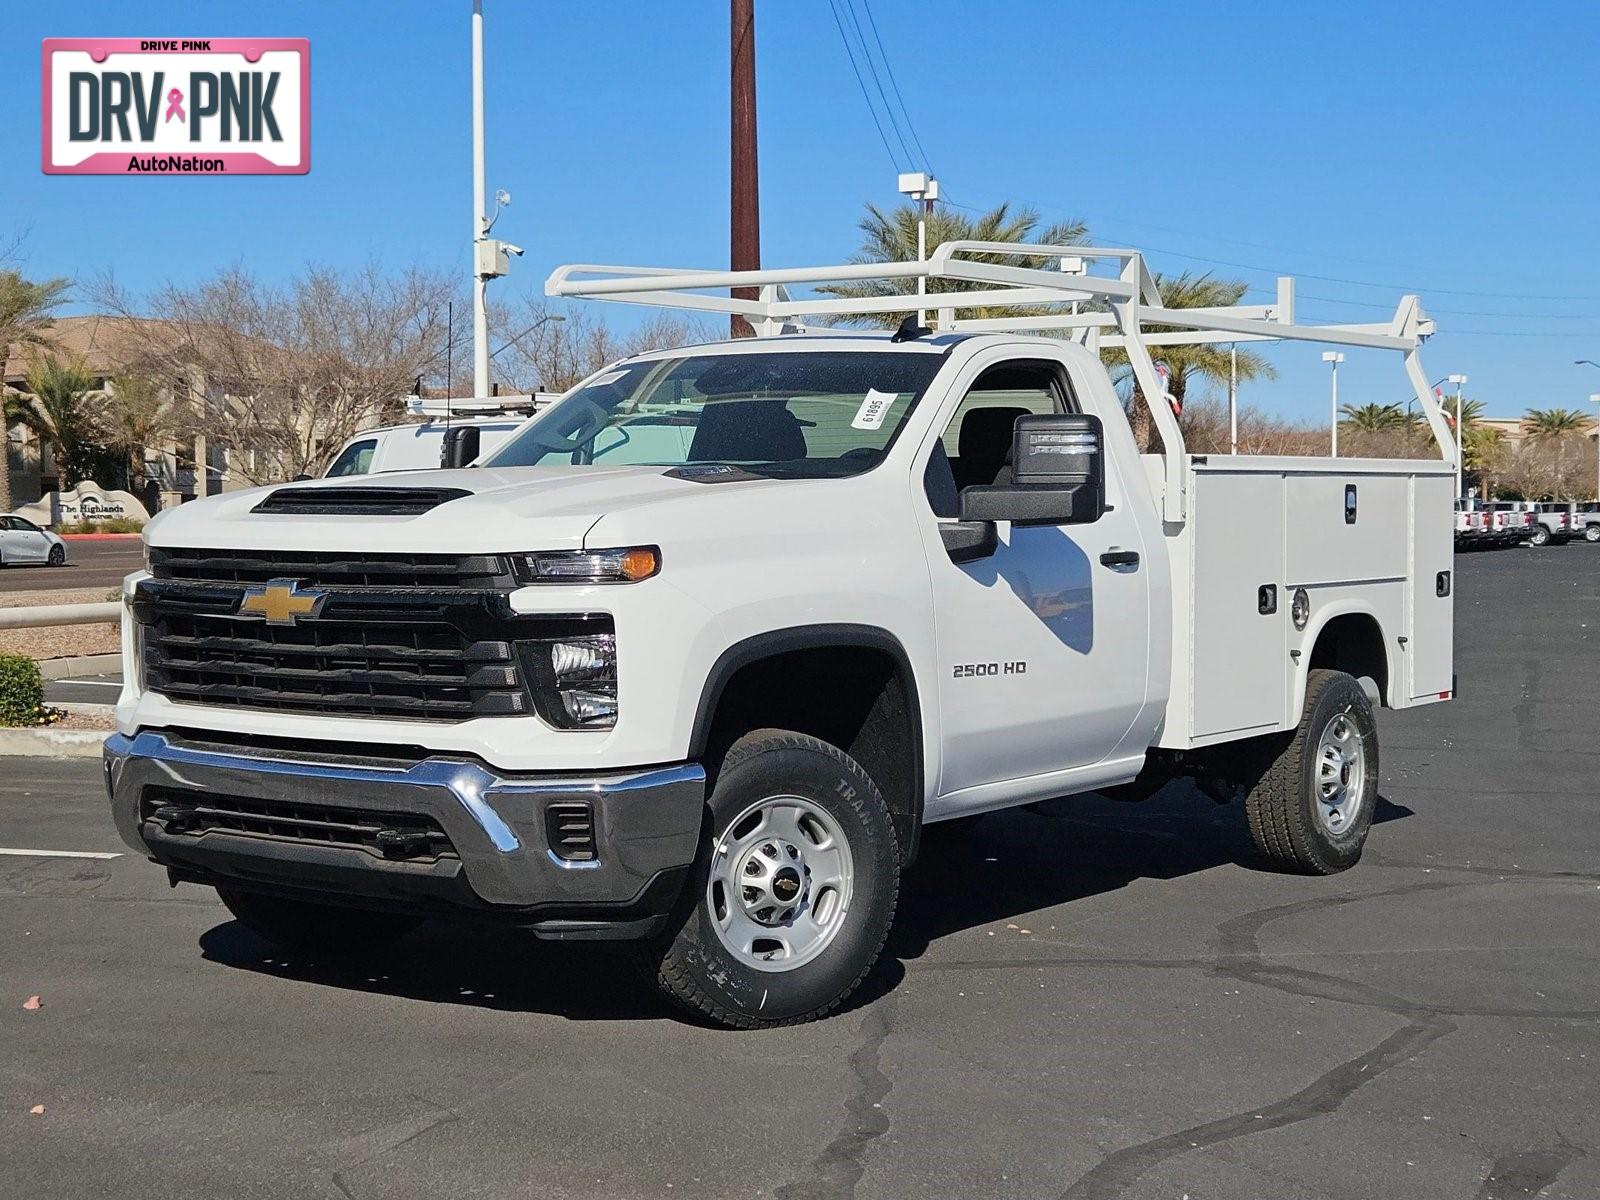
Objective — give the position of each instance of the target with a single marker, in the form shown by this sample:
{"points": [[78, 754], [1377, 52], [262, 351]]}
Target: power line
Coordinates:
{"points": [[877, 80], [895, 85], [861, 83]]}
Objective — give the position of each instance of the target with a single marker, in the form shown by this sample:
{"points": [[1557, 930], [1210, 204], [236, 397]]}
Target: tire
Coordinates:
{"points": [[1541, 537], [1290, 823], [319, 928], [1591, 532], [58, 556], [801, 800]]}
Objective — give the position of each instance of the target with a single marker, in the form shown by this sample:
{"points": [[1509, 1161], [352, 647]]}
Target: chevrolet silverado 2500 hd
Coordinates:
{"points": [[696, 655]]}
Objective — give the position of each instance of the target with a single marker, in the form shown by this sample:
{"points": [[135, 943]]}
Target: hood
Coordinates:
{"points": [[506, 508]]}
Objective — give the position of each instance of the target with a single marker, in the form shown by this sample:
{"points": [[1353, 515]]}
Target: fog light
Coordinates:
{"points": [[576, 681]]}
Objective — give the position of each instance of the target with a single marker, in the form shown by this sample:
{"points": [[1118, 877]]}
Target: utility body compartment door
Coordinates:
{"points": [[1430, 648]]}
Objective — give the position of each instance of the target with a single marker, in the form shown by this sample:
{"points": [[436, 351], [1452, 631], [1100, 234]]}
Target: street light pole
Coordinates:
{"points": [[480, 219], [1334, 358], [1594, 398], [1459, 380], [923, 189]]}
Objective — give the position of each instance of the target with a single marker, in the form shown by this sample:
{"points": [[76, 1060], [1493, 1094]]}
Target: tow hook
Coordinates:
{"points": [[402, 843], [174, 818]]}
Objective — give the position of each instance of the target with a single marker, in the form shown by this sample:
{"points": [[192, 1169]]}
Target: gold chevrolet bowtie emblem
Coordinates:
{"points": [[281, 602]]}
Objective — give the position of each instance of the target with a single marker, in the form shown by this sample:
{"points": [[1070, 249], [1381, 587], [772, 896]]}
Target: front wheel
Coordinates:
{"points": [[1310, 810], [58, 556], [793, 891], [1541, 537], [1591, 532]]}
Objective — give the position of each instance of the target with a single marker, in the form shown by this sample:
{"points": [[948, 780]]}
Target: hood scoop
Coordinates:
{"points": [[356, 501]]}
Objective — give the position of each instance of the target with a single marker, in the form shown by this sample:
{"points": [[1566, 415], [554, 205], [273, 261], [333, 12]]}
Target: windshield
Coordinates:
{"points": [[796, 414], [354, 459]]}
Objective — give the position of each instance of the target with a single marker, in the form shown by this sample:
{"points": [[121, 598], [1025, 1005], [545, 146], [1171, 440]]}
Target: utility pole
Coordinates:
{"points": [[744, 193]]}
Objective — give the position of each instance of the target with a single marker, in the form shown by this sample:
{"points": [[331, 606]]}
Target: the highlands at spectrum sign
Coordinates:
{"points": [[169, 106]]}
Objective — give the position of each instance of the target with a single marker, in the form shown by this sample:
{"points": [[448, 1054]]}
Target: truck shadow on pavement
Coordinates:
{"points": [[1011, 867]]}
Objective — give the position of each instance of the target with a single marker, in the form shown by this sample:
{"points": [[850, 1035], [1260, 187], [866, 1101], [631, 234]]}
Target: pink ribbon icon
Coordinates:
{"points": [[174, 106]]}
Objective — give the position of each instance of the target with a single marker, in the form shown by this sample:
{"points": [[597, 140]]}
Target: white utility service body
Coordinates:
{"points": [[1187, 610]]}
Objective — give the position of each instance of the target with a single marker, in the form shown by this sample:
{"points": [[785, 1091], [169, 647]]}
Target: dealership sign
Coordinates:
{"points": [[169, 106]]}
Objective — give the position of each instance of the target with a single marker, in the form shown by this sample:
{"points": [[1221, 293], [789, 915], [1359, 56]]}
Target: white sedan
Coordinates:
{"points": [[21, 541]]}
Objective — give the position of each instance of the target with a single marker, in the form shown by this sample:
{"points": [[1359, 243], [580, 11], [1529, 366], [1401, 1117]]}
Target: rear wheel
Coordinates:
{"points": [[793, 891], [1541, 536], [1311, 808], [1591, 532], [305, 925]]}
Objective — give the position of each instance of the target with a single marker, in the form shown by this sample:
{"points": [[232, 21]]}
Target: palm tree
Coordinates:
{"points": [[1555, 427], [1373, 418], [58, 409], [25, 314], [891, 236], [1190, 364], [137, 413], [1553, 424]]}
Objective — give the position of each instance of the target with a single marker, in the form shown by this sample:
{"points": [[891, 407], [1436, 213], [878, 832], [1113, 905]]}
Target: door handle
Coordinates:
{"points": [[1119, 558]]}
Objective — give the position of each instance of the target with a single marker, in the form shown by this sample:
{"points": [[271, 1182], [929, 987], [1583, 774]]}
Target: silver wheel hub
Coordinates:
{"points": [[1341, 781], [780, 883]]}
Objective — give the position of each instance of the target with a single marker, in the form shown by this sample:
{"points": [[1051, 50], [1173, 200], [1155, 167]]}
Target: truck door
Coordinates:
{"points": [[1042, 648]]}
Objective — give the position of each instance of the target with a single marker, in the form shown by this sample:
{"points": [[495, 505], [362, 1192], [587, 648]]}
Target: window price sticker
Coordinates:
{"points": [[874, 409]]}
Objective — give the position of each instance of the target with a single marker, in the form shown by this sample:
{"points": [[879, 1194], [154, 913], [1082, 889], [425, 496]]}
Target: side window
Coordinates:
{"points": [[354, 459], [975, 448]]}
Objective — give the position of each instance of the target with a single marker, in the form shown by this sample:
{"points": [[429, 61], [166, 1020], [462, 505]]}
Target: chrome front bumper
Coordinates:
{"points": [[646, 825]]}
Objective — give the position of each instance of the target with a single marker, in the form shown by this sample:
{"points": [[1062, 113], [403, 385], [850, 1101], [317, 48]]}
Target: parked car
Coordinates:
{"points": [[419, 445], [1492, 524], [21, 541], [700, 682]]}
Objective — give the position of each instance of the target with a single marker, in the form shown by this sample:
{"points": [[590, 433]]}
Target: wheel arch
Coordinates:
{"points": [[887, 736], [1350, 637]]}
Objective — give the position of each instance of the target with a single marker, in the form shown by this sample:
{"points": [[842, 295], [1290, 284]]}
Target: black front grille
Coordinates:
{"points": [[356, 501], [391, 835], [334, 568], [388, 655]]}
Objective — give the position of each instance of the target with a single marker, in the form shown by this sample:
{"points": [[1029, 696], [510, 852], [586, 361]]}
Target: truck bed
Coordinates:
{"points": [[1239, 663]]}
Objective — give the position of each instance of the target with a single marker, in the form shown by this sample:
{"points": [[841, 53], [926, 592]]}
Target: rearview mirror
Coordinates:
{"points": [[461, 443], [1057, 475]]}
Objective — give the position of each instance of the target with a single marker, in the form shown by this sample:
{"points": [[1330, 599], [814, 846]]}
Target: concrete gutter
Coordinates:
{"points": [[81, 667], [37, 616], [49, 742]]}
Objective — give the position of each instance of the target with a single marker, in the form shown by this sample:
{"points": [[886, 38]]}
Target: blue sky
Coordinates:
{"points": [[1443, 147]]}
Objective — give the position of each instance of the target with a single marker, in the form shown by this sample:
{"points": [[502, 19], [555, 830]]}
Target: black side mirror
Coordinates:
{"points": [[461, 444], [1057, 475]]}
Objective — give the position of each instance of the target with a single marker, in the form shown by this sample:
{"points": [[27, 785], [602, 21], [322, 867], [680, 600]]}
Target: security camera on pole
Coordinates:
{"points": [[924, 189], [490, 258]]}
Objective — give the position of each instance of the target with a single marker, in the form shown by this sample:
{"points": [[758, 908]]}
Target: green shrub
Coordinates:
{"points": [[111, 525], [21, 691]]}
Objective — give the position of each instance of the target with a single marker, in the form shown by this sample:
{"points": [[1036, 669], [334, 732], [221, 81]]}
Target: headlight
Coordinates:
{"points": [[628, 565], [575, 680]]}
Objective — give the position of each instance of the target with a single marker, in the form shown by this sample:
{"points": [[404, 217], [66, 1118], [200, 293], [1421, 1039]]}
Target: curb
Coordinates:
{"points": [[99, 537], [52, 743], [80, 667]]}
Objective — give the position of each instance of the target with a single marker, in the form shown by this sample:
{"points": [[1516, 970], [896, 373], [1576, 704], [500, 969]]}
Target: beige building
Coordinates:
{"points": [[1512, 431], [108, 345]]}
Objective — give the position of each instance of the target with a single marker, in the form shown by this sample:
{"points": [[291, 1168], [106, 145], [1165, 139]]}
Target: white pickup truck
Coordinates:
{"points": [[695, 657]]}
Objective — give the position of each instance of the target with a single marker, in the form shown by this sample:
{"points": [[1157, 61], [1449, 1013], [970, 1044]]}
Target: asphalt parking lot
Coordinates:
{"points": [[91, 563], [1092, 1001]]}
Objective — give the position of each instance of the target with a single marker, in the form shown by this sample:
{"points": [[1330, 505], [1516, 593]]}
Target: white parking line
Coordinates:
{"points": [[57, 853], [116, 683]]}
